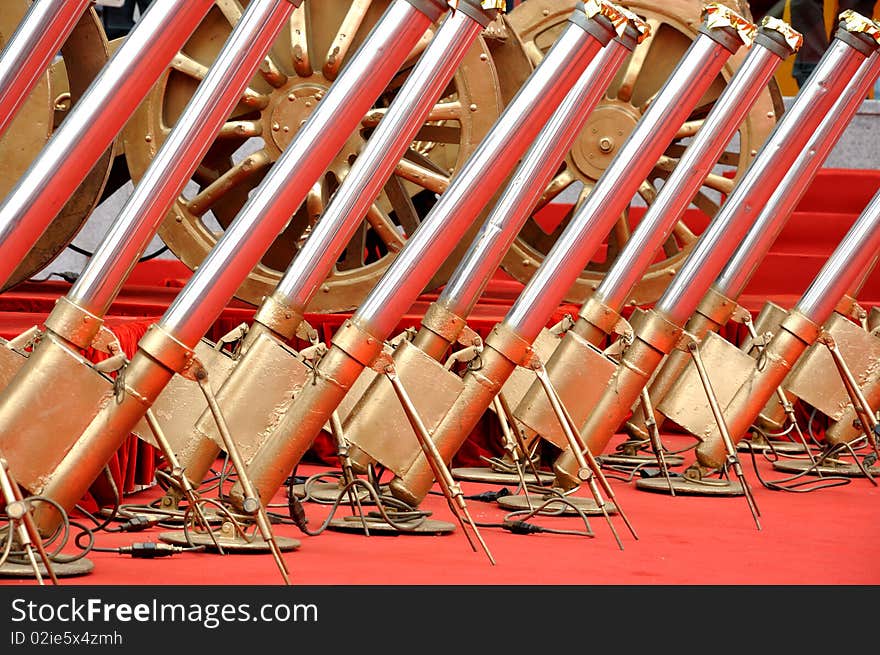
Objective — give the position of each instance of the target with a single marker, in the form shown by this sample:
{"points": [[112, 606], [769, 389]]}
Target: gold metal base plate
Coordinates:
{"points": [[587, 505], [491, 476], [639, 460], [62, 570], [377, 526], [229, 544], [846, 470], [685, 487]]}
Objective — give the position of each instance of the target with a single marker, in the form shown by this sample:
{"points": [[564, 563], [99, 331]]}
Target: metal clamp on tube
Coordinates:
{"points": [[717, 307], [31, 48], [428, 247], [283, 189], [92, 125], [833, 76], [581, 238], [799, 330]]}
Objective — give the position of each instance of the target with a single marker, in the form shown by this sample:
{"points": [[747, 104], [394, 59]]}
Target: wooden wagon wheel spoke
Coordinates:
{"points": [[384, 228], [188, 66], [635, 65], [345, 37], [299, 42], [311, 50], [234, 177], [240, 130], [420, 175]]}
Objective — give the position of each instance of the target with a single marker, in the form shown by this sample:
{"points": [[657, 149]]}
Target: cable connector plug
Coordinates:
{"points": [[522, 527], [489, 496], [136, 524], [152, 550], [296, 510]]}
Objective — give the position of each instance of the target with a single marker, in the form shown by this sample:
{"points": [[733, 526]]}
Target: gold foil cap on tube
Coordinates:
{"points": [[488, 5], [794, 38], [640, 25], [717, 15], [854, 22]]}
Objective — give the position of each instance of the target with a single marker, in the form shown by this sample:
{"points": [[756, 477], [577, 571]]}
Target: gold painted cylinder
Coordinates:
{"points": [[104, 435], [654, 338], [302, 423], [480, 387], [796, 333]]}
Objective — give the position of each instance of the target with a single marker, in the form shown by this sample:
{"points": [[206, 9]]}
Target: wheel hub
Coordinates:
{"points": [[605, 132], [292, 107]]}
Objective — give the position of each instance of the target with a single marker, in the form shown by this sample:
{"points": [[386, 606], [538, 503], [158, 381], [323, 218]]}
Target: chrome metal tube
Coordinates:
{"points": [[798, 331], [162, 352], [358, 342], [582, 237], [30, 50], [716, 308], [775, 213], [92, 125], [697, 161], [371, 169], [845, 266], [475, 183], [202, 300], [374, 165], [180, 154], [524, 190], [833, 74]]}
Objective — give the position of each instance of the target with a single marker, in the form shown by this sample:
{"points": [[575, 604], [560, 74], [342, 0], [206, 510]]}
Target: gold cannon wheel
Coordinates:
{"points": [[83, 55], [674, 26], [301, 66]]}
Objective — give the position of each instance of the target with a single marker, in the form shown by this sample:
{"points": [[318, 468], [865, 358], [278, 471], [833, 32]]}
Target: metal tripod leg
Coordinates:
{"points": [[780, 393], [18, 512], [510, 445], [588, 468], [732, 457], [529, 456], [860, 403], [654, 436], [348, 475], [179, 475], [251, 504], [451, 490]]}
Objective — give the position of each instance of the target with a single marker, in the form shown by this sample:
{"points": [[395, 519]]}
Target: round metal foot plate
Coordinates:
{"points": [[229, 544], [491, 476], [639, 460], [326, 493], [687, 487], [802, 465], [587, 505], [783, 447], [62, 570], [378, 526]]}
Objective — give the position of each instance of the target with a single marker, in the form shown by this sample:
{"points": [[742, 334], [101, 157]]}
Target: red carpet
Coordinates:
{"points": [[824, 537]]}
